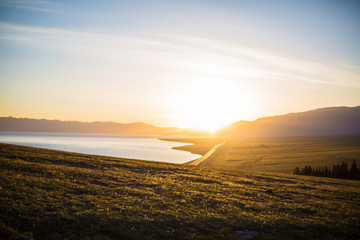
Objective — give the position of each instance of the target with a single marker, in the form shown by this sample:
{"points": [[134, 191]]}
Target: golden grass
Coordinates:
{"points": [[48, 194], [280, 154]]}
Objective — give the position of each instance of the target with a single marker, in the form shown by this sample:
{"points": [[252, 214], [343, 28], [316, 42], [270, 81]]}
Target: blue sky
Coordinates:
{"points": [[177, 63]]}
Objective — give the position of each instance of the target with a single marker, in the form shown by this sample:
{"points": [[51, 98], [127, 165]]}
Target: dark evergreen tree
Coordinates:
{"points": [[297, 171], [340, 170], [354, 171]]}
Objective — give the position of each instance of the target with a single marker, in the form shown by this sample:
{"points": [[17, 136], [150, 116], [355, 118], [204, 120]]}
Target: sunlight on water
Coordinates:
{"points": [[135, 147]]}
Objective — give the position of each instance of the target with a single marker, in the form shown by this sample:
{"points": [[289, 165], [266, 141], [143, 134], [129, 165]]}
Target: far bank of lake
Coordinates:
{"points": [[125, 146]]}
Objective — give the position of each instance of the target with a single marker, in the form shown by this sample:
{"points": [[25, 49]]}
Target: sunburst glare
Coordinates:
{"points": [[209, 104]]}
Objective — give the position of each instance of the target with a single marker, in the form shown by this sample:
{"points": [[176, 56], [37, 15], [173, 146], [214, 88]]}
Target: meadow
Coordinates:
{"points": [[48, 194], [278, 154]]}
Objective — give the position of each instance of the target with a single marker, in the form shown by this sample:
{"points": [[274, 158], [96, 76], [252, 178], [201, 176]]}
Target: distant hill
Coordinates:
{"points": [[324, 121], [56, 126], [319, 122]]}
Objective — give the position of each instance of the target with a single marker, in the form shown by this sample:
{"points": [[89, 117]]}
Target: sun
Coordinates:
{"points": [[211, 104]]}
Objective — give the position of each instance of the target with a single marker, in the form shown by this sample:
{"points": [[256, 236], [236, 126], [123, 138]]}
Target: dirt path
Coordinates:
{"points": [[207, 155]]}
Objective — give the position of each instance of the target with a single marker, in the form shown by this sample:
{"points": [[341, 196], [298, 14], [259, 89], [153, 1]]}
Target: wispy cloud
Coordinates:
{"points": [[192, 55], [34, 5], [237, 61]]}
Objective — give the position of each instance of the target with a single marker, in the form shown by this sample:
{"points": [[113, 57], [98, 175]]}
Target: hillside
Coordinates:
{"points": [[42, 125], [276, 154], [47, 194], [318, 122]]}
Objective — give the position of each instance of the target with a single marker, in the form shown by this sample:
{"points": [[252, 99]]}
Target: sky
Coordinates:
{"points": [[184, 63]]}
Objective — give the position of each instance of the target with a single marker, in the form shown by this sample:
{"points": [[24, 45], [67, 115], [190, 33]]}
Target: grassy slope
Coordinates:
{"points": [[48, 194], [281, 154]]}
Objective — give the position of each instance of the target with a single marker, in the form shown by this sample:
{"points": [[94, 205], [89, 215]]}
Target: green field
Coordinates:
{"points": [[47, 194], [280, 154]]}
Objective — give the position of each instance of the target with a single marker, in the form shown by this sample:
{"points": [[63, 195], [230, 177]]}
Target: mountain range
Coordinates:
{"points": [[318, 122], [56, 126]]}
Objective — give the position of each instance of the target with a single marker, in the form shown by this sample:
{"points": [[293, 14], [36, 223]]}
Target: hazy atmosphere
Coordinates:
{"points": [[199, 64], [180, 119]]}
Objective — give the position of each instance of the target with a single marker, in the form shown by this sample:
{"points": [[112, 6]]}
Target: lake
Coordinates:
{"points": [[124, 146]]}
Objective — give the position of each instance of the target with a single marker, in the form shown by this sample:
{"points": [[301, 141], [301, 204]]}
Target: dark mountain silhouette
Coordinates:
{"points": [[55, 126], [324, 121]]}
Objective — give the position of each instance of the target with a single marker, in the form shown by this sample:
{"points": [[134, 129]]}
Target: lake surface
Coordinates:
{"points": [[124, 146]]}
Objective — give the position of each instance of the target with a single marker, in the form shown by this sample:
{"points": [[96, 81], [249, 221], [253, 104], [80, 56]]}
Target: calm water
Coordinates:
{"points": [[135, 147]]}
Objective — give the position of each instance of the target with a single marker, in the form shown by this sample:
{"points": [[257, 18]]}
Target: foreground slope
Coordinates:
{"points": [[48, 194]]}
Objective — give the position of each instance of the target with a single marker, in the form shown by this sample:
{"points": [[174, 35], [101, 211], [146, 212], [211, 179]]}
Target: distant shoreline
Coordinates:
{"points": [[141, 147]]}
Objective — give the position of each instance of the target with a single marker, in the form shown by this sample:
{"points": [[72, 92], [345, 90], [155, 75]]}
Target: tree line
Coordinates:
{"points": [[340, 170]]}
